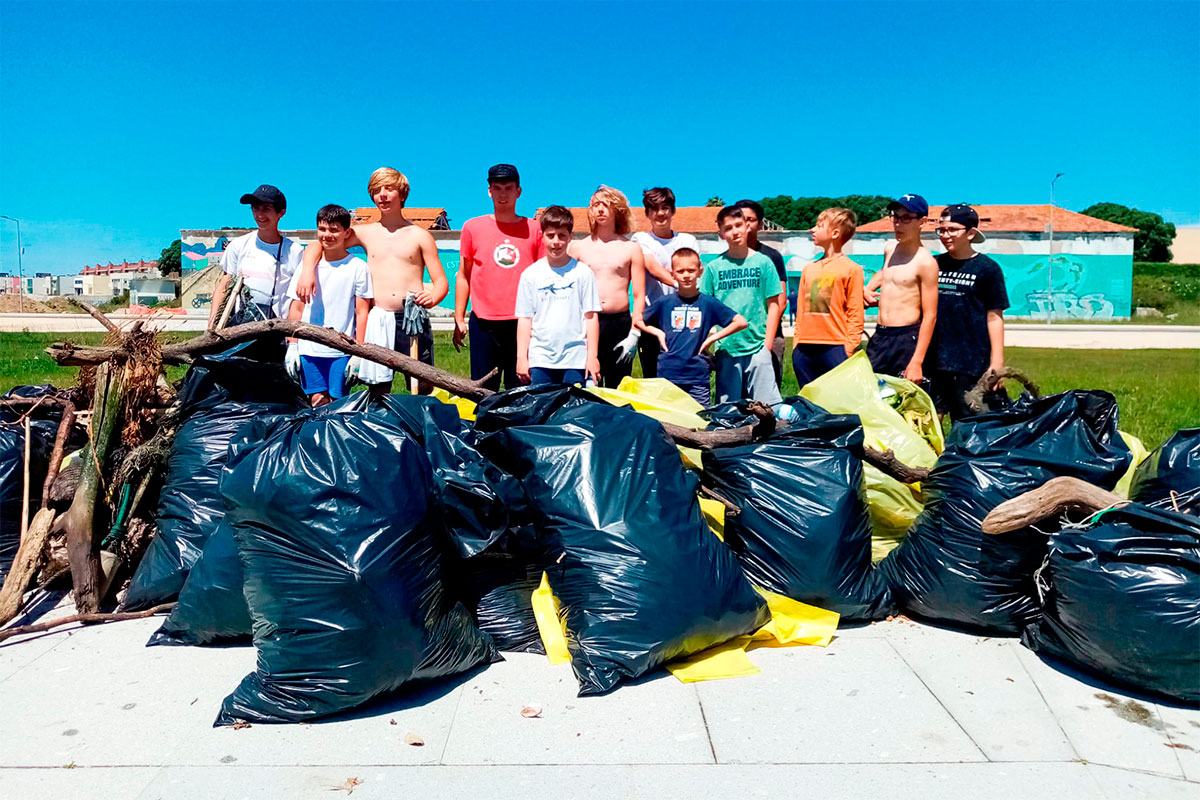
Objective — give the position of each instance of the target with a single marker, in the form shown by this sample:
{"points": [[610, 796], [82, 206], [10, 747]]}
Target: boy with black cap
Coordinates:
{"points": [[969, 337], [906, 291], [264, 258], [493, 252]]}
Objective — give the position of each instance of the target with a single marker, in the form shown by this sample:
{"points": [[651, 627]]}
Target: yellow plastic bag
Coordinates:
{"points": [[1140, 453], [793, 622], [466, 408], [554, 635], [714, 515], [914, 436]]}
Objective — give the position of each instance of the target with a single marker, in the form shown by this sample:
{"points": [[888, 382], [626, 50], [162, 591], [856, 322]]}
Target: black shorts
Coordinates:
{"points": [[891, 349], [614, 327], [493, 346]]}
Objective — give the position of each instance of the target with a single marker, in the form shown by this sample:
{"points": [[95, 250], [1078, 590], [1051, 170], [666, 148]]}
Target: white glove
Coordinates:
{"points": [[627, 347], [291, 360]]}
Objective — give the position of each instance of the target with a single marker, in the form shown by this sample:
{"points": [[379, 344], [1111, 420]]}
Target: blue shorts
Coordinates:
{"points": [[540, 376], [322, 374]]}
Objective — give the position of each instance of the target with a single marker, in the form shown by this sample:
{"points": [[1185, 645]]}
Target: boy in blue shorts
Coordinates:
{"points": [[683, 322], [341, 300]]}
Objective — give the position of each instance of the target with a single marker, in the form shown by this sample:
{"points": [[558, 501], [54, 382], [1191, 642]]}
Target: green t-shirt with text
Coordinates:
{"points": [[744, 285]]}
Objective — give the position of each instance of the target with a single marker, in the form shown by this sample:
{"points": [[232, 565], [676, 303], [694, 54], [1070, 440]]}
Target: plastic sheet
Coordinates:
{"points": [[1172, 468], [219, 395], [345, 585], [803, 529], [639, 577], [1139, 454], [947, 569], [1123, 600]]}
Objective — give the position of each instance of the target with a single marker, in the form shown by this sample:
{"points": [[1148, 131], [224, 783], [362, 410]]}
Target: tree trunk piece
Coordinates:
{"points": [[1048, 500], [25, 565]]}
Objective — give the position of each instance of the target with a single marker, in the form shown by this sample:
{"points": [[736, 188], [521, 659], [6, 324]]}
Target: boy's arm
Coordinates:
{"points": [[662, 272], [927, 275], [362, 307], [592, 323], [462, 288], [774, 312], [648, 324], [637, 279], [524, 329], [306, 286], [871, 294], [738, 324], [437, 275], [995, 328], [854, 311], [218, 296]]}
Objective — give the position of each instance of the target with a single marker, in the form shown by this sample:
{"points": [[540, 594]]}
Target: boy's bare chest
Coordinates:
{"points": [[900, 275], [606, 257], [392, 247]]}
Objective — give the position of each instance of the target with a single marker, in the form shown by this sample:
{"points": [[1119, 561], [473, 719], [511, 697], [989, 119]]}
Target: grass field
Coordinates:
{"points": [[1158, 390]]}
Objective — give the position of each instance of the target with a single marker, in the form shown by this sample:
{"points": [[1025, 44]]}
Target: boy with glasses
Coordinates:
{"points": [[969, 337], [906, 291]]}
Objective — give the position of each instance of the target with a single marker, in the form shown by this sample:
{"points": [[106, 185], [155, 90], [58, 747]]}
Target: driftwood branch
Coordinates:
{"points": [[886, 462], [974, 398], [56, 455], [25, 564], [98, 315], [1048, 500], [731, 508], [84, 619]]}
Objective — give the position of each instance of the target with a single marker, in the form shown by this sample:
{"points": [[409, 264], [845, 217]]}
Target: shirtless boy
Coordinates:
{"points": [[906, 292], [619, 265], [398, 254]]}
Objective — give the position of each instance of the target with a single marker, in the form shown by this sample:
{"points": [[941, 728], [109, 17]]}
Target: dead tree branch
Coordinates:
{"points": [[84, 619], [1048, 500]]}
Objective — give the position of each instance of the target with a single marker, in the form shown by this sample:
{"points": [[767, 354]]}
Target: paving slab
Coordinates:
{"points": [[1124, 784], [1182, 726], [78, 783], [982, 684], [1103, 724], [853, 702], [656, 720]]}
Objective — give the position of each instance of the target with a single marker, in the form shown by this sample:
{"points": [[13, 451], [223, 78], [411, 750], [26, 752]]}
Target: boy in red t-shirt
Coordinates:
{"points": [[494, 250], [829, 314]]}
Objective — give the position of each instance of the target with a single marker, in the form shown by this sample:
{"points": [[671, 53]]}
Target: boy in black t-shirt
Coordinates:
{"points": [[682, 323], [968, 339]]}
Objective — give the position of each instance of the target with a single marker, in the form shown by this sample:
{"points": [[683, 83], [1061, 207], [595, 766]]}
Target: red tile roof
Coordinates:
{"points": [[425, 217], [688, 219], [125, 266], [1015, 219]]}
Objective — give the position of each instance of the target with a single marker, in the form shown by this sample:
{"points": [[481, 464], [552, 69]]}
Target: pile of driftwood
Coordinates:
{"points": [[130, 419]]}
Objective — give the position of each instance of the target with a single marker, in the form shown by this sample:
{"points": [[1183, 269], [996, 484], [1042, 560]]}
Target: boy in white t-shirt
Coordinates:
{"points": [[264, 258], [341, 301], [558, 332]]}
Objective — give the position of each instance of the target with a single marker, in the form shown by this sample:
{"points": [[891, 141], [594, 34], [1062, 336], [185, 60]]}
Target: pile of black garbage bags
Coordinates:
{"points": [[370, 545]]}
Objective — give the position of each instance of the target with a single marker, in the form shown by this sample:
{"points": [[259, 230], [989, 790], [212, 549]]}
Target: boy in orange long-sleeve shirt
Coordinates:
{"points": [[829, 319]]}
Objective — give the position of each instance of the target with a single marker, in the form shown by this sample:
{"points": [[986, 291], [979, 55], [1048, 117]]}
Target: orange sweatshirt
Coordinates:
{"points": [[830, 307]]}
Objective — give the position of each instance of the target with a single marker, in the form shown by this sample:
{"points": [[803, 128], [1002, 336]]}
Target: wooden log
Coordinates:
{"points": [[56, 455], [25, 483], [1048, 500], [25, 565], [84, 619], [78, 521]]}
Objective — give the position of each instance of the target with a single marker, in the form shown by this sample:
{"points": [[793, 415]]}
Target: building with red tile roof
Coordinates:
{"points": [[1015, 219]]}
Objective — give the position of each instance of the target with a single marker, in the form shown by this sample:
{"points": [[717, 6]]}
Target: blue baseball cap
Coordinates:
{"points": [[911, 202]]}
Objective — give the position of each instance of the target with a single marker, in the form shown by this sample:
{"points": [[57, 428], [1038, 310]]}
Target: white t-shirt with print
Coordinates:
{"points": [[661, 251], [556, 298], [266, 269], [339, 283]]}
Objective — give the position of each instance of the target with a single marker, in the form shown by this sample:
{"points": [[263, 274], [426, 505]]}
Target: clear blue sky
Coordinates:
{"points": [[122, 123]]}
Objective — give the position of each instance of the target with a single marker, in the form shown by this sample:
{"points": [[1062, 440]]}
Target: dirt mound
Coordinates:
{"points": [[11, 303]]}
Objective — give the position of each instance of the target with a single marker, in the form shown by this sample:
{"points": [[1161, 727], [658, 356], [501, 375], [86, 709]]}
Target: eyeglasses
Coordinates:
{"points": [[949, 231], [906, 217]]}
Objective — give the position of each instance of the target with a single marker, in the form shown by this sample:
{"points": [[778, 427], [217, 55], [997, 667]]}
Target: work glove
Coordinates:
{"points": [[627, 347], [291, 360]]}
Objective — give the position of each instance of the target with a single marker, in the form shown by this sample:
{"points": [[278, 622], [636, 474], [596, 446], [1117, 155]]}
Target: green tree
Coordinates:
{"points": [[800, 213], [715, 202], [168, 259], [1153, 240]]}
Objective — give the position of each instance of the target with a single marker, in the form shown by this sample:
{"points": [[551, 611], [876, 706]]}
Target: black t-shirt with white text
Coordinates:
{"points": [[776, 259], [967, 290]]}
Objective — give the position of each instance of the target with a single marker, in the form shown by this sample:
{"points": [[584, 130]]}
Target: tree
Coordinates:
{"points": [[715, 202], [168, 259], [1153, 240], [800, 213]]}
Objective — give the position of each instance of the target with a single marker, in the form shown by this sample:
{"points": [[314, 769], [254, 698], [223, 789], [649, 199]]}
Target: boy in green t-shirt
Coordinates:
{"points": [[745, 281]]}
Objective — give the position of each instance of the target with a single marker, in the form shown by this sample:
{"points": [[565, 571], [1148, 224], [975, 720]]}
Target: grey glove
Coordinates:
{"points": [[291, 360], [627, 347]]}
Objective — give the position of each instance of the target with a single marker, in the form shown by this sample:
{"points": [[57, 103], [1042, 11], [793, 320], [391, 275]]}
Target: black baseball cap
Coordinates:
{"points": [[265, 195], [503, 172], [911, 202], [963, 214]]}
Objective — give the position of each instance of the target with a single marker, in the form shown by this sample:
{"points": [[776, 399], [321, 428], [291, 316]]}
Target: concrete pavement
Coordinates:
{"points": [[1017, 334], [896, 710]]}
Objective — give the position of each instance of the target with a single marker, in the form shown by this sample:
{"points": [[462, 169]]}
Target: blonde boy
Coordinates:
{"points": [[398, 254], [829, 314]]}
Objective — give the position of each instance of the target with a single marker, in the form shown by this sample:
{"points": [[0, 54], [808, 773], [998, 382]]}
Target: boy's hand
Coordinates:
{"points": [[460, 334], [424, 299], [913, 372], [593, 370], [523, 370], [996, 367], [306, 287], [871, 297], [627, 347], [707, 343], [662, 340], [850, 350], [291, 360]]}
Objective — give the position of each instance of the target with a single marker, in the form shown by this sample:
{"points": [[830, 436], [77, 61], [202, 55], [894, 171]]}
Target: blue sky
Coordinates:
{"points": [[122, 123]]}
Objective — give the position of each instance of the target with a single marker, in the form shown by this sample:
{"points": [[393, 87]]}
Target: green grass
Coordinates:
{"points": [[1158, 390]]}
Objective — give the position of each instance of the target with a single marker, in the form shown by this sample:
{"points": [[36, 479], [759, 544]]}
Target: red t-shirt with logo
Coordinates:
{"points": [[498, 254]]}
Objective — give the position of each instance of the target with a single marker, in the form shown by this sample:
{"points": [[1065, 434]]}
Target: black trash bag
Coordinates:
{"points": [[639, 577], [527, 405], [947, 569], [43, 429], [1122, 600], [497, 587], [1173, 467], [211, 607], [804, 530], [219, 395], [344, 556]]}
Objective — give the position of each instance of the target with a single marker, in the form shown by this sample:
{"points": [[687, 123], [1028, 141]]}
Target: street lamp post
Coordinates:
{"points": [[1050, 258], [20, 270]]}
